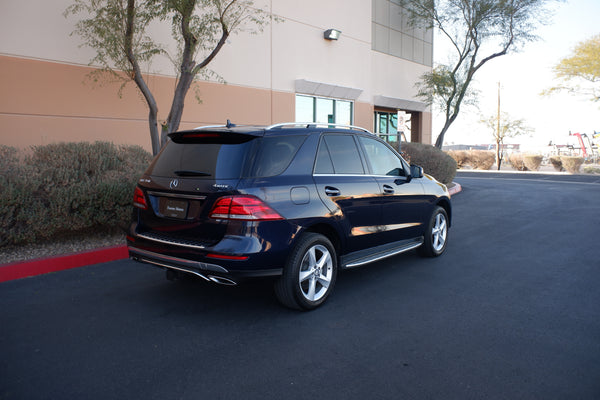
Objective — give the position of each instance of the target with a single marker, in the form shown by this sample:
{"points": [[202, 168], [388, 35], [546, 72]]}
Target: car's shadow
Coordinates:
{"points": [[191, 295]]}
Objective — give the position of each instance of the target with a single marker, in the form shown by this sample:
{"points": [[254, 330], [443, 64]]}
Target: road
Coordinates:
{"points": [[511, 311]]}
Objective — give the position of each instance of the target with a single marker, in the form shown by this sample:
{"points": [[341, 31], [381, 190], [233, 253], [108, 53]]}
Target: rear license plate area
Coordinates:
{"points": [[173, 208]]}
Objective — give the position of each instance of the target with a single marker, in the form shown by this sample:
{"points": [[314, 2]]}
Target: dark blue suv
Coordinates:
{"points": [[293, 201]]}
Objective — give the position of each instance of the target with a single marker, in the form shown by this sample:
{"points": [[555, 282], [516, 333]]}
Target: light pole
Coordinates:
{"points": [[498, 139]]}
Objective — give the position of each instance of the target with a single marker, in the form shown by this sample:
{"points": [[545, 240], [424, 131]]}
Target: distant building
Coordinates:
{"points": [[290, 72]]}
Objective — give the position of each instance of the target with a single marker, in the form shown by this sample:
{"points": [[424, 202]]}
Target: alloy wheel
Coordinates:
{"points": [[439, 232], [316, 272]]}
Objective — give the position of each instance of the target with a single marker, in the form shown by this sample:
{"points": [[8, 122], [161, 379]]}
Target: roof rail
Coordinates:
{"points": [[315, 124]]}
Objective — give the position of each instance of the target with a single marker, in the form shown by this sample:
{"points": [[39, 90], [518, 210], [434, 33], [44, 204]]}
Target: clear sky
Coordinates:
{"points": [[524, 75]]}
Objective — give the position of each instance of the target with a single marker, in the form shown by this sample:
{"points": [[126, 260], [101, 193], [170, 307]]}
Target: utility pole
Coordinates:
{"points": [[498, 139]]}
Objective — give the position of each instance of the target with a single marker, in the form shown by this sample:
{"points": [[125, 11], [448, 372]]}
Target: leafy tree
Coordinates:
{"points": [[118, 31], [478, 32], [579, 73], [503, 128]]}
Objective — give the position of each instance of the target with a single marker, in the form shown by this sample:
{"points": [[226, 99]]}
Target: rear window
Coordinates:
{"points": [[259, 157], [202, 160]]}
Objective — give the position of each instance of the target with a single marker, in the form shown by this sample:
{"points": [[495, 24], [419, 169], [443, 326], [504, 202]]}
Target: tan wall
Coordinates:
{"points": [[46, 98], [46, 102], [363, 115], [426, 126]]}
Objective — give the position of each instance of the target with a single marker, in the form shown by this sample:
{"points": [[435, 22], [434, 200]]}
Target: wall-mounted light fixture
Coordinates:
{"points": [[332, 34]]}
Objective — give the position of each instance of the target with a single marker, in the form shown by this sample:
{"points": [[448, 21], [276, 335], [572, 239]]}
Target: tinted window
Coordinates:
{"points": [[382, 160], [344, 154], [323, 164], [275, 154], [210, 160]]}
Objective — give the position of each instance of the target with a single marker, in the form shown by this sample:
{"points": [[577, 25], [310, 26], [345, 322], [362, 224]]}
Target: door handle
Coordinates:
{"points": [[332, 191], [387, 189]]}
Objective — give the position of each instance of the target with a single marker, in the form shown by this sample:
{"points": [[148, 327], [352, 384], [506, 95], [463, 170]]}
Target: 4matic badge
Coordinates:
{"points": [[222, 187]]}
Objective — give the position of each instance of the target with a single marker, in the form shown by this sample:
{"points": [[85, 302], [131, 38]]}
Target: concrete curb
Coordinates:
{"points": [[24, 269], [454, 188]]}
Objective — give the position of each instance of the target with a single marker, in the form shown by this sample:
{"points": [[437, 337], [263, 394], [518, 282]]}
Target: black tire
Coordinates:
{"points": [[309, 274], [436, 235]]}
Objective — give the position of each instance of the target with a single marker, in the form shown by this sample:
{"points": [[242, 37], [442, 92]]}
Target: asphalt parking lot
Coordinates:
{"points": [[511, 311]]}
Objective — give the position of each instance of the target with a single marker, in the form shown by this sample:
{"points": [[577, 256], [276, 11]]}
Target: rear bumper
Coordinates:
{"points": [[247, 250], [208, 271]]}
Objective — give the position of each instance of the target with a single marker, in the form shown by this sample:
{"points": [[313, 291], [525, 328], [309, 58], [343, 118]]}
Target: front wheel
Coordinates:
{"points": [[436, 235], [309, 274]]}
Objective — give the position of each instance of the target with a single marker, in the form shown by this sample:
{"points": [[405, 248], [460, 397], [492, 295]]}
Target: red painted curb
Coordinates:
{"points": [[456, 188], [24, 269]]}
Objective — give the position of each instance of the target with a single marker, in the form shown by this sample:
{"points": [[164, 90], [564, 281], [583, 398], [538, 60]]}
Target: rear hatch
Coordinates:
{"points": [[193, 170]]}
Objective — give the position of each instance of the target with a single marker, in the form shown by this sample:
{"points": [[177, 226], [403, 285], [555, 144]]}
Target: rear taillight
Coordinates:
{"points": [[139, 200], [243, 207]]}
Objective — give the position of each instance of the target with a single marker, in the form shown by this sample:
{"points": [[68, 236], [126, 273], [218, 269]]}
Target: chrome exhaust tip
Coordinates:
{"points": [[222, 281]]}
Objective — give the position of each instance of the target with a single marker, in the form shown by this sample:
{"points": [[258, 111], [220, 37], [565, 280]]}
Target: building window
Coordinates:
{"points": [[392, 34], [392, 126], [323, 110]]}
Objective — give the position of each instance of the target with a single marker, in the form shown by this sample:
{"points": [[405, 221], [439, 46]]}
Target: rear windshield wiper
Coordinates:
{"points": [[187, 172]]}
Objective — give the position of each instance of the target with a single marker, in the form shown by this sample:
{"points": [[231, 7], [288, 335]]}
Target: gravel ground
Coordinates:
{"points": [[12, 254]]}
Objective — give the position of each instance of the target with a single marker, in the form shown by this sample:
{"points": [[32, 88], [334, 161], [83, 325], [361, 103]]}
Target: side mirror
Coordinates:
{"points": [[416, 171]]}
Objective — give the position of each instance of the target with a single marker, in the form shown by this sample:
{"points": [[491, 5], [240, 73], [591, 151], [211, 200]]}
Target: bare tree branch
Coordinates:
{"points": [[478, 31], [117, 31]]}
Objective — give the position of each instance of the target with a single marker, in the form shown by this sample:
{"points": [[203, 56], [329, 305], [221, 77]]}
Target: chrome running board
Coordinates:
{"points": [[363, 257]]}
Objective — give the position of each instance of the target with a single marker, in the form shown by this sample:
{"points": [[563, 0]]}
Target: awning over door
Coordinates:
{"points": [[399, 104], [326, 90]]}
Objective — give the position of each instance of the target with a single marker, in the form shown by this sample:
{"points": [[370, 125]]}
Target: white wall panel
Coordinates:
{"points": [[285, 52], [300, 52], [395, 77], [352, 17], [38, 29]]}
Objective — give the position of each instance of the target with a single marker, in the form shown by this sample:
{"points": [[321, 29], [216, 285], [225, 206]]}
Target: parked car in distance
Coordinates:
{"points": [[297, 202]]}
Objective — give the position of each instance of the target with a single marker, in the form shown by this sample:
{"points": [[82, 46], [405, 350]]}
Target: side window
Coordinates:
{"points": [[275, 154], [382, 160], [323, 164], [343, 154]]}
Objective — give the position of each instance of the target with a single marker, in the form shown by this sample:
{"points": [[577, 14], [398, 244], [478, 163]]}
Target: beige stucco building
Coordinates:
{"points": [[289, 72]]}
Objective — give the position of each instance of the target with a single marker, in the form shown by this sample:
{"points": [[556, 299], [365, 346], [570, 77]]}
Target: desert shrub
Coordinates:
{"points": [[18, 183], [571, 164], [532, 161], [66, 189], [481, 159], [517, 162], [9, 157], [460, 156], [590, 169], [556, 163], [434, 161], [9, 165], [133, 157]]}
